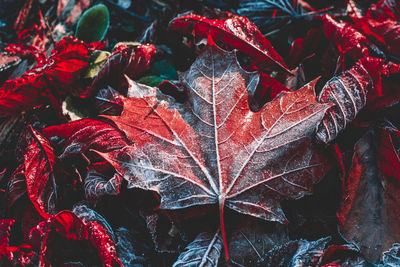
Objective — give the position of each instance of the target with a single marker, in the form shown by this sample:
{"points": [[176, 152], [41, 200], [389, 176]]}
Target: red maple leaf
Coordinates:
{"points": [[214, 150]]}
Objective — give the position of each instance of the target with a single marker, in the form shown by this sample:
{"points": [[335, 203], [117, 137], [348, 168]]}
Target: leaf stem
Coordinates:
{"points": [[221, 200]]}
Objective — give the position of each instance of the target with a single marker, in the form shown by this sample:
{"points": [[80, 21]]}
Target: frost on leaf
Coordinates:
{"points": [[352, 90], [205, 251], [214, 149]]}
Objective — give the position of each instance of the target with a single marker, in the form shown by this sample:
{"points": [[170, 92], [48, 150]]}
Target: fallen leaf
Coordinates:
{"points": [[347, 39], [67, 224], [39, 172], [235, 31], [97, 185], [126, 60], [351, 91], [213, 149], [296, 253], [386, 31], [59, 72], [205, 250], [79, 136], [368, 215]]}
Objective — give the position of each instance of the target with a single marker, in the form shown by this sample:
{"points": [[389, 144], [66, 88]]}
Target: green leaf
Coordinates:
{"points": [[93, 24], [151, 80], [96, 60], [165, 70]]}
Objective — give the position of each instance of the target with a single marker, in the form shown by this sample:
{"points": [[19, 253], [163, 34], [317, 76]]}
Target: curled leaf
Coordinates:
{"points": [[130, 61], [96, 185], [68, 225], [350, 92]]}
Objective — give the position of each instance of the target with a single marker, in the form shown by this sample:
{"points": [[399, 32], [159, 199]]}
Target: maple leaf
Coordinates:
{"points": [[213, 149], [236, 31]]}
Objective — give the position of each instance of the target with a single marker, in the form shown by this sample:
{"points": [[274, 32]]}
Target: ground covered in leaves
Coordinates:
{"points": [[199, 133]]}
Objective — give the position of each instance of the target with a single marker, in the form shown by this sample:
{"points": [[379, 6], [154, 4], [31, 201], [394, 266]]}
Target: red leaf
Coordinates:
{"points": [[16, 186], [62, 68], [70, 11], [78, 136], [5, 228], [351, 91], [235, 31], [348, 40], [267, 90], [386, 31], [303, 47], [70, 226], [368, 215], [39, 173], [131, 61], [213, 149], [68, 60], [384, 9]]}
